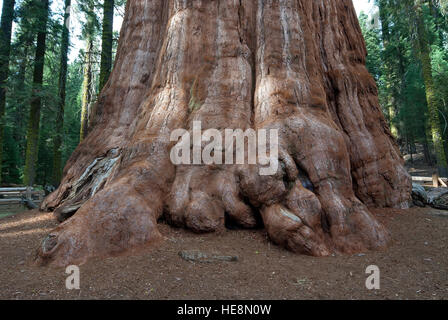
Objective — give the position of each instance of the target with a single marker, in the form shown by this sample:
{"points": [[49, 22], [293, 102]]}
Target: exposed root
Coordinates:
{"points": [[115, 220], [294, 66]]}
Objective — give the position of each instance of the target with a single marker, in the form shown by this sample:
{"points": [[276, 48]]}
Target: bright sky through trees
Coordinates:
{"points": [[363, 5], [360, 5], [75, 25]]}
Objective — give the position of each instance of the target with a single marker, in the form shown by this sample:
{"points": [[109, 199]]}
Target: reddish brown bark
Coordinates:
{"points": [[295, 65]]}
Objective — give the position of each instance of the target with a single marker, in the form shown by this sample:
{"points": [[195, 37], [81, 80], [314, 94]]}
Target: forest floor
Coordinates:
{"points": [[414, 267], [416, 164]]}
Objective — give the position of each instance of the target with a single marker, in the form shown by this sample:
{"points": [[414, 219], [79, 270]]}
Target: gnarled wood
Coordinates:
{"points": [[294, 65]]}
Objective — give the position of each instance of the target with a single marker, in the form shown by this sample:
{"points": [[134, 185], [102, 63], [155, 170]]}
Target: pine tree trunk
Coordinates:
{"points": [[107, 41], [57, 152], [20, 114], [35, 104], [293, 65], [87, 90], [433, 110], [5, 49], [106, 55], [426, 149], [88, 85], [392, 96]]}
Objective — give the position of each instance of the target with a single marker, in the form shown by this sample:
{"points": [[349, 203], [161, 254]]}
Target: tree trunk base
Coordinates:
{"points": [[295, 66]]}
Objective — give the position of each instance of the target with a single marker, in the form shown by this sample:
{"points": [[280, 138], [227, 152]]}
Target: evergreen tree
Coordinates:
{"points": [[431, 99], [5, 48], [35, 104], [107, 42], [88, 94], [57, 156]]}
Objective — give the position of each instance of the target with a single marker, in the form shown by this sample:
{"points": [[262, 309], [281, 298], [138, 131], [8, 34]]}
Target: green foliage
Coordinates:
{"points": [[396, 61], [19, 87], [373, 43]]}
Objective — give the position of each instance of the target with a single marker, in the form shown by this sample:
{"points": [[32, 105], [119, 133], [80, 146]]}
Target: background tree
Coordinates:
{"points": [[106, 42], [20, 83], [17, 110], [35, 105], [431, 98], [57, 157], [403, 89], [88, 95], [389, 72], [5, 49]]}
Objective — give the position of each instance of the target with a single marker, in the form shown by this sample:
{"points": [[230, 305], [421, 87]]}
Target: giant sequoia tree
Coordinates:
{"points": [[294, 65]]}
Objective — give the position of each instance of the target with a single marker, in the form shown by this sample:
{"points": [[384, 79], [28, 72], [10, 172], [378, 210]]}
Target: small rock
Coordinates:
{"points": [[419, 194]]}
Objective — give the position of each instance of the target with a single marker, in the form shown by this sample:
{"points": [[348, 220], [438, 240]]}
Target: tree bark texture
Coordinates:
{"points": [[106, 42], [294, 65], [32, 142], [57, 147]]}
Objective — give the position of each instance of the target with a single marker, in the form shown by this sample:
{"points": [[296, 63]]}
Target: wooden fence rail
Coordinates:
{"points": [[21, 195], [434, 181]]}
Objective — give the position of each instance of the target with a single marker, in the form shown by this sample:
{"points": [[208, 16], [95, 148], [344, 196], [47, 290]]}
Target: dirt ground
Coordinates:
{"points": [[414, 267], [9, 210]]}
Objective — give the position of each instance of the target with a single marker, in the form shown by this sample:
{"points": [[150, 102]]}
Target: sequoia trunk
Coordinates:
{"points": [[292, 65]]}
